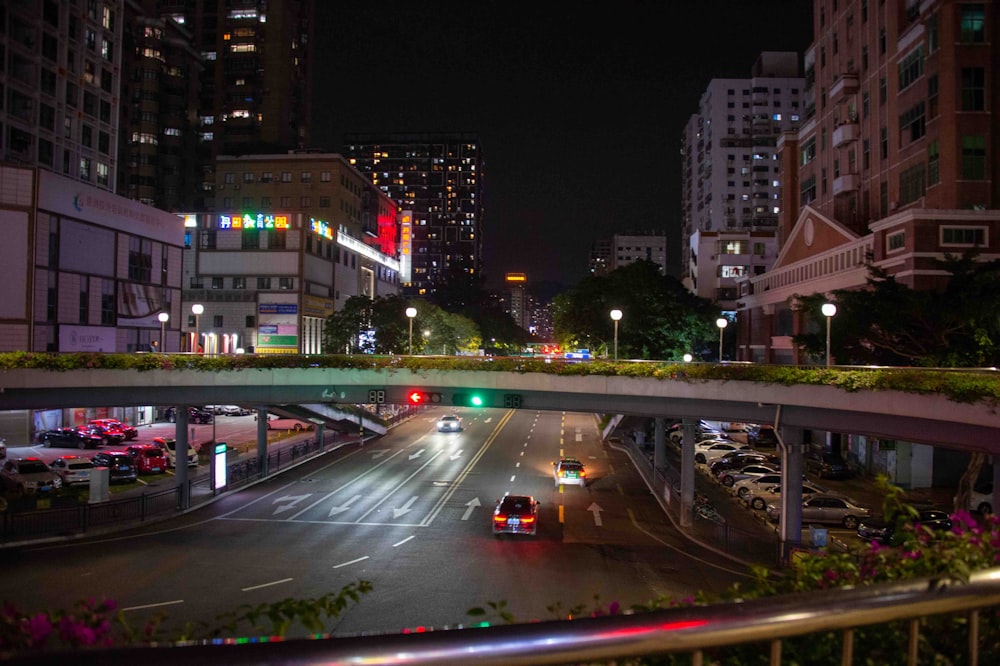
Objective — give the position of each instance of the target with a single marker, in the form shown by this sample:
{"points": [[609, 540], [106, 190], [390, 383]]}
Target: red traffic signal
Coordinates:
{"points": [[422, 397]]}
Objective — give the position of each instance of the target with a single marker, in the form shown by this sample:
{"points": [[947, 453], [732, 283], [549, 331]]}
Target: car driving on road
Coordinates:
{"points": [[569, 471], [449, 423], [515, 514]]}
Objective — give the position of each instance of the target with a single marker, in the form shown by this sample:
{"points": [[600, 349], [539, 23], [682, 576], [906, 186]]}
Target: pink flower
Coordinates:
{"points": [[39, 628]]}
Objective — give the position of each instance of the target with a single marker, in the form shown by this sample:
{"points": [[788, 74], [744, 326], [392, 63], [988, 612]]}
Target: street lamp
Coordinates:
{"points": [[721, 322], [688, 358], [828, 309], [164, 318], [197, 309], [616, 316], [411, 313]]}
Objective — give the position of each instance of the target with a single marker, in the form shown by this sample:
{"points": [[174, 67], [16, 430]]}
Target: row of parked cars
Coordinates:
{"points": [[95, 433]]}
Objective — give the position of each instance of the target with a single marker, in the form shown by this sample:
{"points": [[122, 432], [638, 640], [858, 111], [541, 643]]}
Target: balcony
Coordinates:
{"points": [[846, 184], [845, 133], [846, 84]]}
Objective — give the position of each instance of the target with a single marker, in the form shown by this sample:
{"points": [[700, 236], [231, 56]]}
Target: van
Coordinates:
{"points": [[169, 445]]}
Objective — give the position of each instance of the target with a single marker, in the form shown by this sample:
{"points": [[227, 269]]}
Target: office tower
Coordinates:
{"points": [[439, 178], [730, 180]]}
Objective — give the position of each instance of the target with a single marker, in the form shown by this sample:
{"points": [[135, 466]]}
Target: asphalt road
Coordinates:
{"points": [[409, 512]]}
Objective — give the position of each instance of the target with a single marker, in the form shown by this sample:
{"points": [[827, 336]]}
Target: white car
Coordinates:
{"points": [[730, 477], [760, 498], [706, 452], [169, 444], [449, 423], [981, 498], [744, 487], [229, 410]]}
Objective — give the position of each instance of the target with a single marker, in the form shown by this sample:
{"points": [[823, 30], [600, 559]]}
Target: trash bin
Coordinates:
{"points": [[817, 536]]}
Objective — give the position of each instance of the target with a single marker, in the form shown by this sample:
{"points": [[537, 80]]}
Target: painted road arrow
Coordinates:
{"points": [[396, 513], [471, 506], [291, 502], [344, 507], [456, 455], [596, 510], [378, 453], [417, 454]]}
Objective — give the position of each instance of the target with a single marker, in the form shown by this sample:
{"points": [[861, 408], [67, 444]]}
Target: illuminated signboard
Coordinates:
{"points": [[258, 221], [405, 245], [321, 228], [366, 251], [516, 277]]}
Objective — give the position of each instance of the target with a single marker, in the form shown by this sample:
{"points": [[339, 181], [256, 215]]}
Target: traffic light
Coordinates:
{"points": [[512, 401], [469, 399], [422, 398]]}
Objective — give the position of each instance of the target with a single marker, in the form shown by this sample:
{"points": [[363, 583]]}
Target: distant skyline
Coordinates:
{"points": [[580, 114]]}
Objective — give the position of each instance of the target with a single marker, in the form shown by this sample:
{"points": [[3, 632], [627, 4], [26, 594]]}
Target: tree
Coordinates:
{"points": [[888, 323], [661, 319]]}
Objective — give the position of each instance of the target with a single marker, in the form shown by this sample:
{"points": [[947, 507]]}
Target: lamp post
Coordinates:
{"points": [[721, 322], [164, 318], [688, 358], [411, 313], [197, 309], [616, 316], [828, 309]]}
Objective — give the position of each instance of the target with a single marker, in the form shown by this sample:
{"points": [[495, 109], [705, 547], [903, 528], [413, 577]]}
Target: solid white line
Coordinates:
{"points": [[165, 603], [257, 587], [400, 543], [344, 564]]}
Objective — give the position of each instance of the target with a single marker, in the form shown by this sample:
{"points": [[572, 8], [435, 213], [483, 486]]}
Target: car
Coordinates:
{"points": [[746, 486], [709, 451], [120, 465], [703, 430], [73, 470], [298, 425], [195, 415], [888, 533], [110, 436], [762, 435], [827, 508], [229, 410], [516, 514], [760, 498], [3, 448], [28, 476], [169, 446], [449, 423], [729, 477], [740, 459], [71, 438], [569, 471], [149, 458], [129, 431], [981, 498], [827, 466]]}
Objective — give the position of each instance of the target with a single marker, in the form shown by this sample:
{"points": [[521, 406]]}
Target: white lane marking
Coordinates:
{"points": [[471, 504], [143, 607], [344, 564], [400, 543], [257, 587]]}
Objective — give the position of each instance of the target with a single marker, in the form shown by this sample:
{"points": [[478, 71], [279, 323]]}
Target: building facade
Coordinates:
{"points": [[730, 175], [609, 254], [300, 234], [439, 179]]}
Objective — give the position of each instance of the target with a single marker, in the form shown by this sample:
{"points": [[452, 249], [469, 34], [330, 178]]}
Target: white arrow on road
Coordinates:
{"points": [[378, 453], [417, 454], [345, 506], [456, 455], [396, 513], [291, 502], [471, 505], [596, 510]]}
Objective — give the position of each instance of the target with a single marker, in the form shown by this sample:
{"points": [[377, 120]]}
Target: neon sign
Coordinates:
{"points": [[258, 221], [321, 228]]}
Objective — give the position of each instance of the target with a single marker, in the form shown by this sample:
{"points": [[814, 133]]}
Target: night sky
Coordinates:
{"points": [[580, 111]]}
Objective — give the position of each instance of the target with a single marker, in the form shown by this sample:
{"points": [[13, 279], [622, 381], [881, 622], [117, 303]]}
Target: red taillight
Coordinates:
{"points": [[527, 519], [499, 519]]}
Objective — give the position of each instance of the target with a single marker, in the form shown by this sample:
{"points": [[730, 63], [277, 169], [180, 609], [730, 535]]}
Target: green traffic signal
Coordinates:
{"points": [[468, 399]]}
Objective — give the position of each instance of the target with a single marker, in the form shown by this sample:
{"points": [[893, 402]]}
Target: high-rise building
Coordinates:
{"points": [[730, 173], [893, 163], [608, 254], [439, 178], [519, 306]]}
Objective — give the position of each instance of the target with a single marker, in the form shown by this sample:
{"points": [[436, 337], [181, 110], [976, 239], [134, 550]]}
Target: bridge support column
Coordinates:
{"points": [[262, 441], [181, 445], [659, 444], [687, 473], [792, 468]]}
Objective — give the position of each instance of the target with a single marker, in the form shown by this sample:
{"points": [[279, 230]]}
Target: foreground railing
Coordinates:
{"points": [[695, 634]]}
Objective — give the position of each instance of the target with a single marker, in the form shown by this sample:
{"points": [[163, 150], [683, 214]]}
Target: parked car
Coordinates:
{"points": [[298, 425], [569, 471], [740, 459], [195, 415], [981, 498], [169, 446], [111, 437], [827, 466], [706, 452], [516, 514], [229, 410], [149, 458], [703, 430], [73, 470], [828, 509], [70, 437], [27, 476], [729, 477], [130, 431], [762, 435], [746, 486], [760, 498], [120, 465], [888, 531], [449, 423]]}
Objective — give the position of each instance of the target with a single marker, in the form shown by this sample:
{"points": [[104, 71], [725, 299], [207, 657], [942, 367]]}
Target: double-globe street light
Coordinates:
{"points": [[829, 310], [411, 313], [616, 316], [721, 322], [197, 309]]}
